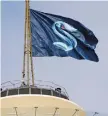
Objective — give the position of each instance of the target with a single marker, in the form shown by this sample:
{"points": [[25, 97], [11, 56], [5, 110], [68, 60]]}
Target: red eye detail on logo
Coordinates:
{"points": [[62, 27]]}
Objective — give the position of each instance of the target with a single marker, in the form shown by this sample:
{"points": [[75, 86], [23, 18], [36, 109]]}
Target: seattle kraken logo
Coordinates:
{"points": [[64, 31]]}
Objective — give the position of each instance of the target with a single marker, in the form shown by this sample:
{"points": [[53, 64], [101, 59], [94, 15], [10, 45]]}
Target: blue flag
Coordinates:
{"points": [[54, 35]]}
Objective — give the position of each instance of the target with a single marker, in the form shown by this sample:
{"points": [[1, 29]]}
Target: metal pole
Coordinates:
{"points": [[55, 111], [23, 72], [16, 111], [76, 110], [28, 43], [32, 71], [27, 59], [35, 110]]}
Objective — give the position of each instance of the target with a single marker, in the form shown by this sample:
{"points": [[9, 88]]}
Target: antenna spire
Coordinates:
{"points": [[27, 73]]}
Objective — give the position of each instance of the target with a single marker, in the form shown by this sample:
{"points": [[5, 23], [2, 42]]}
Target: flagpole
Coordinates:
{"points": [[28, 44], [27, 59], [32, 71], [23, 72]]}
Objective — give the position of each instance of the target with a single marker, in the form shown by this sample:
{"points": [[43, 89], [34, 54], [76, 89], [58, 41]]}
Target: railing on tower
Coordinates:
{"points": [[40, 87]]}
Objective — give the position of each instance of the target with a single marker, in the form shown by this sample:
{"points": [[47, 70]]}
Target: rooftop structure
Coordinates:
{"points": [[43, 99], [40, 87]]}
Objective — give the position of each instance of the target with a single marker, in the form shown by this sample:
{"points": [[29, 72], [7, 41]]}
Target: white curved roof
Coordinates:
{"points": [[39, 105]]}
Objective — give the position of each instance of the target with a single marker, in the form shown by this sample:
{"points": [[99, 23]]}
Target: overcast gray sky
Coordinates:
{"points": [[86, 82]]}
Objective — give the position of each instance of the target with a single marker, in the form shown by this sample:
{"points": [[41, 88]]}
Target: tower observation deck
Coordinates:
{"points": [[43, 99], [40, 87]]}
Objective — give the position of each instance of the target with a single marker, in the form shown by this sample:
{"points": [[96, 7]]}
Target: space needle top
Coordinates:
{"points": [[38, 97]]}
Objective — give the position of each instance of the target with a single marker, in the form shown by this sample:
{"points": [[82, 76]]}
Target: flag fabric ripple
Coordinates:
{"points": [[54, 35]]}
